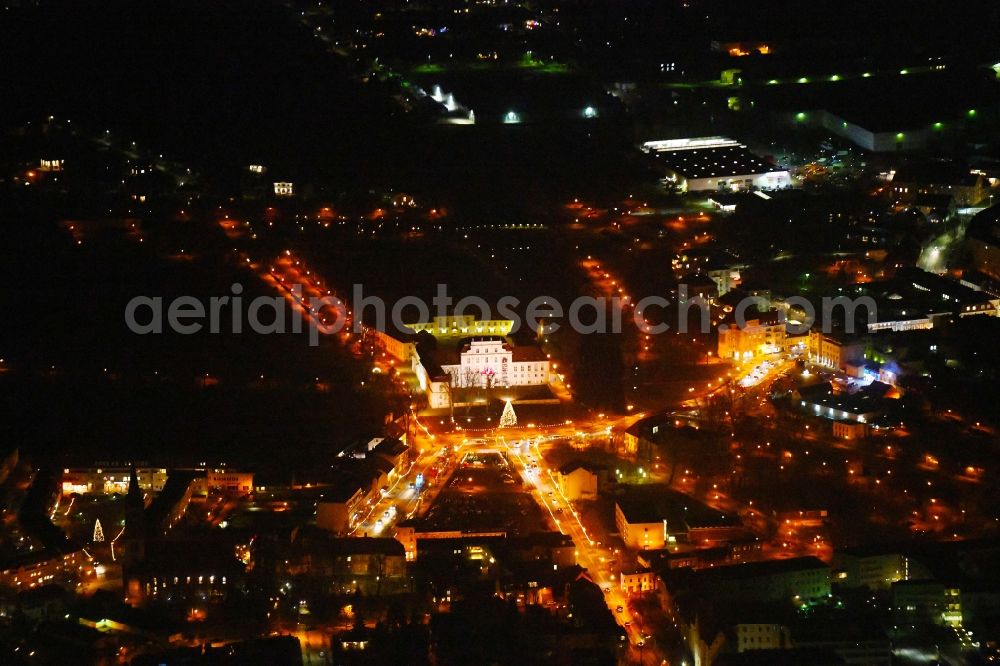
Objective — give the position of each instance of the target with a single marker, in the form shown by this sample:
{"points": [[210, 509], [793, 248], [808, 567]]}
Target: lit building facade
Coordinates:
{"points": [[111, 480], [714, 163], [763, 335], [640, 531], [637, 582], [399, 347], [928, 600], [224, 481], [41, 567], [834, 351], [874, 569], [50, 164], [463, 325], [762, 637], [576, 482], [494, 360], [341, 512]]}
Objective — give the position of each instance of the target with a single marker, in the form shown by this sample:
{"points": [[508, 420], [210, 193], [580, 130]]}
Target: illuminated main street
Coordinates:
{"points": [[592, 554], [440, 453]]}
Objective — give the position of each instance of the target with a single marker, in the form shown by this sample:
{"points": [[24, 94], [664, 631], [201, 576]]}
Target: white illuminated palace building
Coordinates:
{"points": [[485, 357], [494, 361]]}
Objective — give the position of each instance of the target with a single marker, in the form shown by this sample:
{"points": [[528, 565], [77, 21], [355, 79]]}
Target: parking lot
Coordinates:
{"points": [[485, 494]]}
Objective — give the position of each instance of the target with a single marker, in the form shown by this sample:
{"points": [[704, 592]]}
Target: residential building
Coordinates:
{"points": [[340, 508], [746, 549], [393, 451], [111, 480], [577, 481], [344, 564], [400, 346], [982, 237], [185, 572], [798, 579], [410, 533], [834, 350], [928, 601], [229, 481], [694, 265], [874, 568], [434, 381], [966, 186], [641, 527], [43, 566], [169, 506], [221, 480], [754, 636], [740, 48], [700, 285], [637, 582], [849, 430], [651, 517], [764, 333]]}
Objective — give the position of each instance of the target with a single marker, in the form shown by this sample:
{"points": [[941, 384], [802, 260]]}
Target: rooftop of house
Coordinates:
{"points": [[390, 446], [574, 465]]}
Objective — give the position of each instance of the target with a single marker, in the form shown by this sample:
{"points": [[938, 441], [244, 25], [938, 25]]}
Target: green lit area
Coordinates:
{"points": [[428, 68]]}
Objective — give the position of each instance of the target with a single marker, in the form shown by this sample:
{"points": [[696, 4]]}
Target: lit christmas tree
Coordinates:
{"points": [[508, 419], [98, 532]]}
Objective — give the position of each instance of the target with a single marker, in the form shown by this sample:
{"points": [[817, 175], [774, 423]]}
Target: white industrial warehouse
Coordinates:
{"points": [[714, 163]]}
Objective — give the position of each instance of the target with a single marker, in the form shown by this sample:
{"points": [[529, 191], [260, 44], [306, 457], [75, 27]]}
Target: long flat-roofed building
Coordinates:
{"points": [[111, 480], [463, 325], [714, 163], [651, 517], [799, 579]]}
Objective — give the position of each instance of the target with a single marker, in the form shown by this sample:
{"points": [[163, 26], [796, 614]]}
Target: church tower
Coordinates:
{"points": [[134, 536]]}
